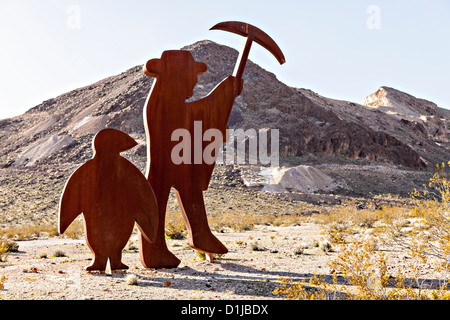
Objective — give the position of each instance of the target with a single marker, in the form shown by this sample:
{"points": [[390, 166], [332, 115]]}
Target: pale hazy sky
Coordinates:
{"points": [[339, 49]]}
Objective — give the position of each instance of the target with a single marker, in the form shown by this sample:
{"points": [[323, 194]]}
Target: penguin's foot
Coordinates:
{"points": [[97, 265], [117, 265]]}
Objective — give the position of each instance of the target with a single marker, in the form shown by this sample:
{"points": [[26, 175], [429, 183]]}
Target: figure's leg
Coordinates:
{"points": [[156, 254], [194, 213]]}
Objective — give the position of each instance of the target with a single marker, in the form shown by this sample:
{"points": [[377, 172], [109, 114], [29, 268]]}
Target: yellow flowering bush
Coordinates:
{"points": [[423, 234]]}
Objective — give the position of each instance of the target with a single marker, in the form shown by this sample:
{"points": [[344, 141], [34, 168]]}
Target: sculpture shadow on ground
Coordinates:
{"points": [[243, 280]]}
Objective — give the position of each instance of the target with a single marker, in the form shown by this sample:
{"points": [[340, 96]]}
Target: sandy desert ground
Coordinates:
{"points": [[250, 270]]}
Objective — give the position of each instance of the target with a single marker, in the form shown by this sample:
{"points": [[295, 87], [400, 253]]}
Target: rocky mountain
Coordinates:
{"points": [[417, 123], [391, 127], [424, 118]]}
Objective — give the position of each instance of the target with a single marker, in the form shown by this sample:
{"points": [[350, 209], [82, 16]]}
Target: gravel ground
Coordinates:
{"points": [[251, 270]]}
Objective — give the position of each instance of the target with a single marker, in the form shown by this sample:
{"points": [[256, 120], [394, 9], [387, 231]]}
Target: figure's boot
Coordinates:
{"points": [[156, 255], [194, 213]]}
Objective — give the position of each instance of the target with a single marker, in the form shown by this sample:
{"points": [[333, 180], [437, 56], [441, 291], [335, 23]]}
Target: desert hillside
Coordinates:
{"points": [[389, 144]]}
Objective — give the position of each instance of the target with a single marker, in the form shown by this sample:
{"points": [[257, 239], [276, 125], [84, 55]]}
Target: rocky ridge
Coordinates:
{"points": [[60, 129]]}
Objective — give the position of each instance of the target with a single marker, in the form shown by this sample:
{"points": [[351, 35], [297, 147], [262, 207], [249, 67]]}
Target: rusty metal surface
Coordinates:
{"points": [[251, 33], [166, 110], [112, 194]]}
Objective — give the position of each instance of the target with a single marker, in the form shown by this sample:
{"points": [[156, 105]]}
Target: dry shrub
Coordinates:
{"points": [[345, 221], [6, 247], [429, 230], [4, 252], [175, 227], [2, 282], [247, 220], [238, 221], [316, 288], [59, 254], [132, 280], [364, 276], [76, 228], [35, 230], [293, 219], [422, 232]]}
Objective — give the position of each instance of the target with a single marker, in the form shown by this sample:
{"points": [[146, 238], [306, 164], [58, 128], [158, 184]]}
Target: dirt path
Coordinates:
{"points": [[244, 273]]}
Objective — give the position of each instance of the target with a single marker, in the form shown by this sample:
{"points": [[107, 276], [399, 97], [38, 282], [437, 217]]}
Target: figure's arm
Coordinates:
{"points": [[228, 88], [232, 84], [214, 109]]}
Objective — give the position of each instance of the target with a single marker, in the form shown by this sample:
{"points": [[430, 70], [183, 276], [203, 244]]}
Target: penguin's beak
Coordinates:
{"points": [[112, 140], [126, 143]]}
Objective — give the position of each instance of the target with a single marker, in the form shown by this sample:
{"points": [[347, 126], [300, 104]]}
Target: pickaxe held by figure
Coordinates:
{"points": [[251, 33]]}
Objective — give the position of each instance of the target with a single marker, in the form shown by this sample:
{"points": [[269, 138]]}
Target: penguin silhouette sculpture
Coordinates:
{"points": [[112, 194]]}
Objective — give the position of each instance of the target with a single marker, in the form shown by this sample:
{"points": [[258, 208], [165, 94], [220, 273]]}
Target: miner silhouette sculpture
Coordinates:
{"points": [[167, 111], [112, 194]]}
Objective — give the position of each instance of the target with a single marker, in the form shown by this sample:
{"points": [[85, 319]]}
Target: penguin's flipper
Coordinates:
{"points": [[147, 213], [71, 203]]}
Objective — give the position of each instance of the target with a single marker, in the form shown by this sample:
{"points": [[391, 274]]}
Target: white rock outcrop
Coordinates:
{"points": [[42, 149]]}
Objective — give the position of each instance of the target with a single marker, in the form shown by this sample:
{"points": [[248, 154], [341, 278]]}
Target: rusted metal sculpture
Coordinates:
{"points": [[251, 33], [112, 194], [166, 110]]}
